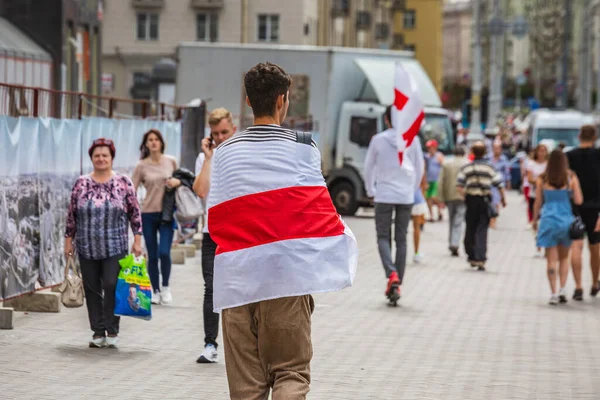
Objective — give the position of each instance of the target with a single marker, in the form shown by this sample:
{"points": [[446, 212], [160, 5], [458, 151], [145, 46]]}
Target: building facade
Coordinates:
{"points": [[457, 46], [70, 30], [139, 33], [419, 28]]}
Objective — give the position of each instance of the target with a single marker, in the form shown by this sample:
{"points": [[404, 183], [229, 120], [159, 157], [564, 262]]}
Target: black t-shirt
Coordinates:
{"points": [[586, 164]]}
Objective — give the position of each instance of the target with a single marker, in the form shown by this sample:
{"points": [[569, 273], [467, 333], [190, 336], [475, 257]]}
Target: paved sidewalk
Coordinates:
{"points": [[458, 334]]}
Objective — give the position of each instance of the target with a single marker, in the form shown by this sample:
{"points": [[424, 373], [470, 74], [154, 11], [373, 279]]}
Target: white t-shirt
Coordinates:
{"points": [[199, 163], [536, 170]]}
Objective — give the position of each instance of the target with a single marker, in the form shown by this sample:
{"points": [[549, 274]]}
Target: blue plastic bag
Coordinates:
{"points": [[133, 296]]}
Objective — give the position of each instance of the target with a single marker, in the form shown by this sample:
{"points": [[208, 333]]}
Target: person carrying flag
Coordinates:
{"points": [[394, 168], [279, 240]]}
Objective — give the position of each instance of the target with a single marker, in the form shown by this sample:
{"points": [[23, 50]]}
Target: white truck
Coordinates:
{"points": [[338, 94]]}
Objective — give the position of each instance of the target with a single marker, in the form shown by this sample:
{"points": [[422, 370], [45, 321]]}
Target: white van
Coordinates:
{"points": [[560, 127]]}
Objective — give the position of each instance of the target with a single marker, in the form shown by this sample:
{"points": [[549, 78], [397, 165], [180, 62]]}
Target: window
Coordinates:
{"points": [[410, 19], [362, 130], [410, 47], [147, 26], [207, 27], [268, 28]]}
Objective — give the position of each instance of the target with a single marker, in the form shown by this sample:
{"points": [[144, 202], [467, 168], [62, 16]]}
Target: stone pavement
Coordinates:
{"points": [[458, 334]]}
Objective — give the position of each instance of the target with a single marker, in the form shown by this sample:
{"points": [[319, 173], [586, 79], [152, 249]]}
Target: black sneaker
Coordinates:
{"points": [[481, 268], [578, 295], [595, 290], [454, 251]]}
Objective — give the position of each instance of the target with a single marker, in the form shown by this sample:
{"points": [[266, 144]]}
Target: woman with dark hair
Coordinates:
{"points": [[556, 188], [102, 204], [154, 171]]}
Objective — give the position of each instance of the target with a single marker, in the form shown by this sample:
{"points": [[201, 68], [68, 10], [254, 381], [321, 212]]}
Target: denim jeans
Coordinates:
{"points": [[158, 247], [457, 210]]}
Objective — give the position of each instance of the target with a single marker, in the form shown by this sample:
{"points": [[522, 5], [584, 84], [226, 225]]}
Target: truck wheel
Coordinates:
{"points": [[344, 200]]}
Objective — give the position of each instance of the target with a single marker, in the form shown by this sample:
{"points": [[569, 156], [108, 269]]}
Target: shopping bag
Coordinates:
{"points": [[133, 296]]}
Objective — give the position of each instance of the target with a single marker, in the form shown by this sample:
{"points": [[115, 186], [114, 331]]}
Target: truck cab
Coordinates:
{"points": [[358, 123]]}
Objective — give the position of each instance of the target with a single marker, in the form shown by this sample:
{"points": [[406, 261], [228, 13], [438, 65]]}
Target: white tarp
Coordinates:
{"points": [[40, 158]]}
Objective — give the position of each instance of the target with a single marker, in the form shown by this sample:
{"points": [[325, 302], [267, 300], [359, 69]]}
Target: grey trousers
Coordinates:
{"points": [[457, 210], [383, 224]]}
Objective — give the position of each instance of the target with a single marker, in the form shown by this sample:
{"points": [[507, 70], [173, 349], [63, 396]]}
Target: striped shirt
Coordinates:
{"points": [[478, 177]]}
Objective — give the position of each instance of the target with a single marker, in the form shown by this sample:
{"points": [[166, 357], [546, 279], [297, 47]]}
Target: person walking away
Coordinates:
{"points": [[535, 168], [102, 204], [475, 181], [526, 185], [453, 200], [418, 211], [556, 188], [154, 171], [279, 240], [433, 160], [392, 187], [221, 128], [500, 162], [585, 163]]}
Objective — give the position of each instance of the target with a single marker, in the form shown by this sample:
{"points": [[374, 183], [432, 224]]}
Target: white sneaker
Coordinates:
{"points": [[539, 254], [418, 258], [155, 297], [554, 299], [208, 356], [165, 295], [98, 342], [562, 295], [112, 342]]}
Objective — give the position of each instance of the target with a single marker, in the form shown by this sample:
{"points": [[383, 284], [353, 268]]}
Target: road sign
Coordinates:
{"points": [[496, 26], [520, 27], [521, 80]]}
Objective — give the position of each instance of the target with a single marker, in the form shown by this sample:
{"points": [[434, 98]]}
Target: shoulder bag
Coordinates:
{"points": [[71, 289]]}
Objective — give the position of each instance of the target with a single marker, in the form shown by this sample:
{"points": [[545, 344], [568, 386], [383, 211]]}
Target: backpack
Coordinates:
{"points": [[188, 206]]}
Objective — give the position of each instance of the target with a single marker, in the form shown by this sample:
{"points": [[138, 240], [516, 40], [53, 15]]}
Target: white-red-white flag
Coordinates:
{"points": [[272, 218], [408, 113]]}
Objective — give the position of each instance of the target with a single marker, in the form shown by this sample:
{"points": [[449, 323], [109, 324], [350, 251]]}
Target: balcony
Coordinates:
{"points": [[207, 4], [148, 3], [363, 20]]}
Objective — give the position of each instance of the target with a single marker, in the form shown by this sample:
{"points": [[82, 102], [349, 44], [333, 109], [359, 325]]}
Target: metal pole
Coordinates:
{"points": [[518, 99], [475, 129], [492, 98], [563, 100]]}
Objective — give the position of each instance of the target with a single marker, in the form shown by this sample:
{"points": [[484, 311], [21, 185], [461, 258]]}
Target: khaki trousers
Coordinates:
{"points": [[268, 345]]}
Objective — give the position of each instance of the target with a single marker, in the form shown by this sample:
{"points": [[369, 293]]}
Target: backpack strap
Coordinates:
{"points": [[304, 138]]}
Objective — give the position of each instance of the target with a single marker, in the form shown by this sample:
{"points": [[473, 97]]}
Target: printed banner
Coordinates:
{"points": [[40, 159]]}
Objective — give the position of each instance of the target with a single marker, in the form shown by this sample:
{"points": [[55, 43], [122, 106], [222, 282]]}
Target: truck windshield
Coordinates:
{"points": [[568, 136], [438, 127]]}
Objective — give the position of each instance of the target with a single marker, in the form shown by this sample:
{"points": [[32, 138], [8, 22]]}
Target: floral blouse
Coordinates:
{"points": [[99, 214]]}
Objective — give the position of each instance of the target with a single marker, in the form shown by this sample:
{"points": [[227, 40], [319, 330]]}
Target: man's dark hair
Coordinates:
{"points": [[459, 151], [388, 114], [587, 133], [264, 83], [478, 150]]}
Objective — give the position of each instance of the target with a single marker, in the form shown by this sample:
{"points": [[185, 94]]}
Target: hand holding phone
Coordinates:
{"points": [[208, 145]]}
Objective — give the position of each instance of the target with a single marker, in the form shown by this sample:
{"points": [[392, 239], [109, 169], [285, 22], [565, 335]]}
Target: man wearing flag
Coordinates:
{"points": [[394, 168], [279, 240]]}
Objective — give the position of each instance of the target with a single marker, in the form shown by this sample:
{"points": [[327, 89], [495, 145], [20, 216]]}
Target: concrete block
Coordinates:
{"points": [[189, 249], [6, 318], [44, 301], [197, 242], [177, 256]]}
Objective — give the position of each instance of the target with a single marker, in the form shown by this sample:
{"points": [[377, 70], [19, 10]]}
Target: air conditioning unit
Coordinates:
{"points": [[148, 3], [398, 41], [382, 31], [399, 5], [207, 4], [340, 8], [363, 20]]}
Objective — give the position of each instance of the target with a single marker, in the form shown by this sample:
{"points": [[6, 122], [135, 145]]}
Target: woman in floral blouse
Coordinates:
{"points": [[102, 205]]}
